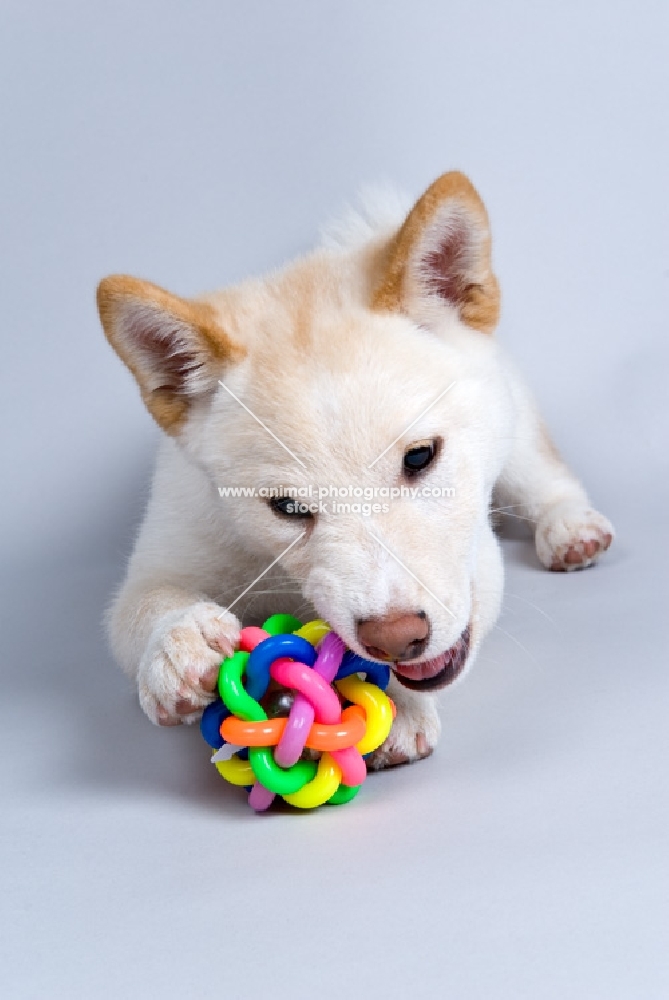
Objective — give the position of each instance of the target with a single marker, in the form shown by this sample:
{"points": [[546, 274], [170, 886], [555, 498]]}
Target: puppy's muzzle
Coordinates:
{"points": [[402, 638]]}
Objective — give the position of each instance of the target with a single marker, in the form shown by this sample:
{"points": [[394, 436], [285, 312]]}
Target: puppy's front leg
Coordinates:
{"points": [[415, 731], [535, 483], [172, 641]]}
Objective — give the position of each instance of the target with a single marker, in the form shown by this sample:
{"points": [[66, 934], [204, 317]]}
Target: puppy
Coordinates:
{"points": [[366, 371]]}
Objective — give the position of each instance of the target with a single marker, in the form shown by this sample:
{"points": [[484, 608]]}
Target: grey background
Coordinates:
{"points": [[197, 143]]}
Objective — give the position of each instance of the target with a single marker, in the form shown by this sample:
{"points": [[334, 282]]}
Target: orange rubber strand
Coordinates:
{"points": [[338, 736]]}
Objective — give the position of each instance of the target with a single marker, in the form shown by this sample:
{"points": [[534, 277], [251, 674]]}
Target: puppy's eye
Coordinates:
{"points": [[290, 507], [419, 456]]}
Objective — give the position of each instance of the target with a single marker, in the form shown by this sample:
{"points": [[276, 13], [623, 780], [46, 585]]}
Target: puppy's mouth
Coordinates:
{"points": [[428, 675]]}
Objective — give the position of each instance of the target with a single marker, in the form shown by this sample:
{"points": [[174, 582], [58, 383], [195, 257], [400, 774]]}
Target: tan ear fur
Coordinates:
{"points": [[173, 346], [456, 269]]}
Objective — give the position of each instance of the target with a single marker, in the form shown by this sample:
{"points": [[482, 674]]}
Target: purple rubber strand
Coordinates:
{"points": [[301, 719], [260, 798]]}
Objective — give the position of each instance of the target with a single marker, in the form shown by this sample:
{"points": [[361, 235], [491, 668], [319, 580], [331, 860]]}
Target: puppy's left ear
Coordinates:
{"points": [[439, 261], [175, 347]]}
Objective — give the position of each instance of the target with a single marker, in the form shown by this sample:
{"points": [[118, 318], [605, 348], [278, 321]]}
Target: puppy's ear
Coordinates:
{"points": [[175, 348], [440, 259]]}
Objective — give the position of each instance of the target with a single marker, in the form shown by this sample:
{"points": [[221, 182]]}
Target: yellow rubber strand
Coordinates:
{"points": [[314, 631], [377, 708], [236, 771], [320, 788]]}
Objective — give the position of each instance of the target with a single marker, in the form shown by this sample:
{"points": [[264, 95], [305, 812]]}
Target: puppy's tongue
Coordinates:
{"points": [[449, 664], [423, 671]]}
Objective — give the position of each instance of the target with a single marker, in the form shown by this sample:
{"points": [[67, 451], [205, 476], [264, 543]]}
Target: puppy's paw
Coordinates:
{"points": [[570, 536], [414, 735], [178, 672]]}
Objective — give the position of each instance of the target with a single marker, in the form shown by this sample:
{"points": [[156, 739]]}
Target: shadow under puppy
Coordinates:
{"points": [[367, 366]]}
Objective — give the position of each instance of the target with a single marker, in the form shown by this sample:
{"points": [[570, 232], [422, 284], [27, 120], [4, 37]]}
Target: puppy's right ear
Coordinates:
{"points": [[439, 260], [174, 347]]}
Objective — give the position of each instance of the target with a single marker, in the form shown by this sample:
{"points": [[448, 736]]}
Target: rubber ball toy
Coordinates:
{"points": [[294, 718]]}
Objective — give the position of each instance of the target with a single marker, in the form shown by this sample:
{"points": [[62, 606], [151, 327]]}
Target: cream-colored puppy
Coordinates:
{"points": [[364, 371]]}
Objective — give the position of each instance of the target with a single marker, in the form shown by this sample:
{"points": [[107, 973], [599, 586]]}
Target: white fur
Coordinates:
{"points": [[381, 209], [337, 383]]}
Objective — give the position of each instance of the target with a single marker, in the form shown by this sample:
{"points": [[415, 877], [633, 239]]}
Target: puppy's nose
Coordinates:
{"points": [[399, 636]]}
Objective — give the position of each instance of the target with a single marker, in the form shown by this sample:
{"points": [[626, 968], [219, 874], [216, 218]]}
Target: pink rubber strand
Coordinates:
{"points": [[301, 718], [352, 764]]}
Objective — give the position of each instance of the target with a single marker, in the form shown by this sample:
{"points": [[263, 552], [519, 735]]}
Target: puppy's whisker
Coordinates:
{"points": [[518, 597], [517, 642], [508, 513], [536, 607], [302, 609], [276, 590]]}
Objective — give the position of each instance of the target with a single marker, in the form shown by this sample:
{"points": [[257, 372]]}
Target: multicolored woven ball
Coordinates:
{"points": [[332, 712]]}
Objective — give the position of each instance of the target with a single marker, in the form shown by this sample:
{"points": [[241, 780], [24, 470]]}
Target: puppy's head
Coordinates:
{"points": [[357, 394]]}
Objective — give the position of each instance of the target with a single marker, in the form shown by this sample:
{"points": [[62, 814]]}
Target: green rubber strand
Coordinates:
{"points": [[232, 691], [281, 624], [275, 778], [344, 794]]}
